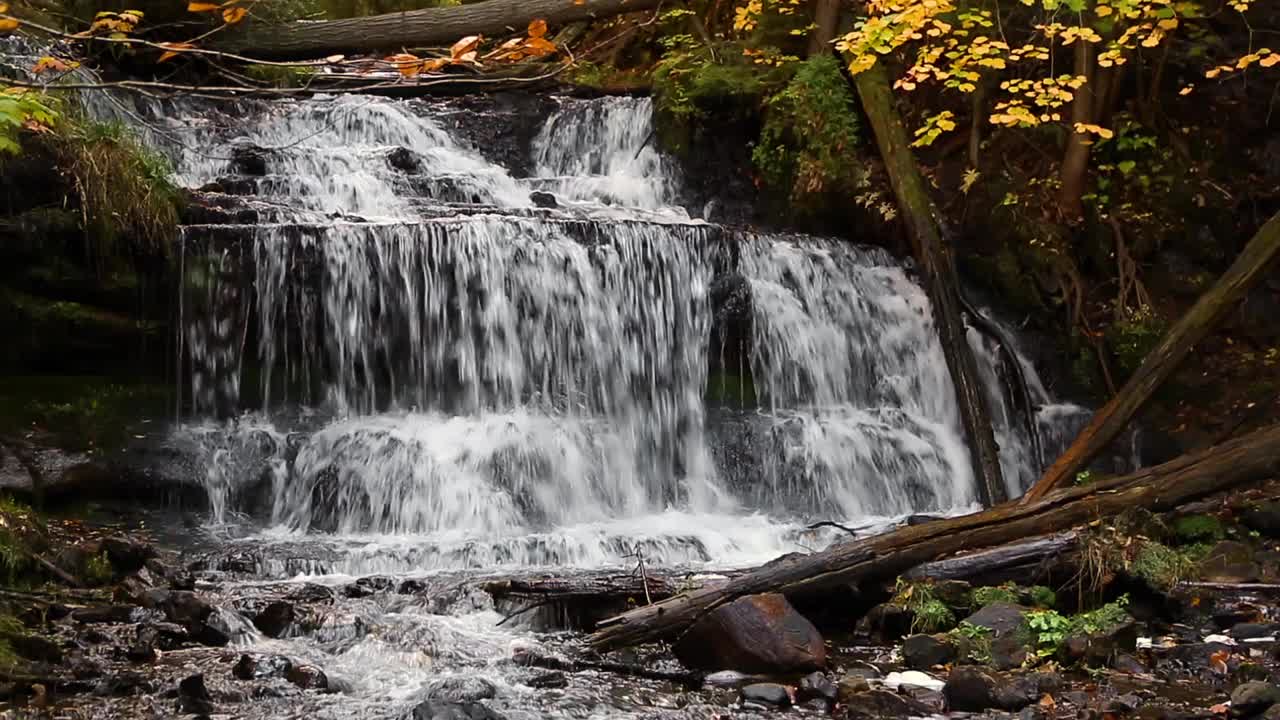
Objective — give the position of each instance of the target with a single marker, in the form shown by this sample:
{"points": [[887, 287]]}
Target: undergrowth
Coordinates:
{"points": [[929, 613]]}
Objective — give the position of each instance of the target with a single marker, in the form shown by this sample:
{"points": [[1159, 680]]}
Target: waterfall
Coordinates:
{"points": [[426, 355]]}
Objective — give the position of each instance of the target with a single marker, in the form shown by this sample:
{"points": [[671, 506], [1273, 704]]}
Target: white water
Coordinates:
{"points": [[495, 384]]}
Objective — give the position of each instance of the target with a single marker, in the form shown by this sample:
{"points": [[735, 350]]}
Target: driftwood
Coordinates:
{"points": [[983, 563], [1249, 458], [1252, 263], [416, 28]]}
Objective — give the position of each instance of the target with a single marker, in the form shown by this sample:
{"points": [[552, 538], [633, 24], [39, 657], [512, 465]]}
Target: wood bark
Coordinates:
{"points": [[1075, 159], [415, 28], [934, 258], [1252, 457], [826, 18], [1108, 422]]}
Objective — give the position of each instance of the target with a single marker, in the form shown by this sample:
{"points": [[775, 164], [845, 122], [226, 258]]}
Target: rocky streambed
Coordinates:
{"points": [[1151, 617]]}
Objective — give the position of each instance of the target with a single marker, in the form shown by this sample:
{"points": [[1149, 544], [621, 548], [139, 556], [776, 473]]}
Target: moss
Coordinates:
{"points": [[98, 570], [1041, 596], [807, 144], [929, 613], [281, 76], [1160, 566], [726, 388], [1192, 529], [985, 596]]}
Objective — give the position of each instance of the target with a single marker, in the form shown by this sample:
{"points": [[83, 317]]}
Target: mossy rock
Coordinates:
{"points": [[1190, 529]]}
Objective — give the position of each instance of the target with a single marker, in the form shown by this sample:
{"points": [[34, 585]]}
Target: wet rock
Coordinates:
{"points": [[126, 554], [403, 159], [886, 622], [123, 683], [969, 689], [1002, 619], [922, 652], [754, 634], [223, 627], [276, 619], [817, 686], [1098, 648], [436, 710], [184, 607], [249, 160], [32, 647], [876, 704], [543, 199], [461, 689], [141, 653], [1126, 663], [1264, 518], [551, 680], [771, 694], [366, 586], [257, 666], [1249, 630], [107, 614], [1252, 698], [307, 677], [193, 696], [847, 687], [1230, 562], [161, 636], [176, 577], [1008, 652], [930, 698]]}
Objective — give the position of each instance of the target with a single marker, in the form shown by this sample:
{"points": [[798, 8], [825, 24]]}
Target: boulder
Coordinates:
{"points": [[543, 199], [403, 159], [1230, 562], [307, 677], [183, 607], [461, 689], [257, 666], [878, 704], [193, 696], [769, 694], [1002, 619], [753, 634], [972, 689], [922, 652], [437, 710], [223, 627], [276, 619], [126, 554], [886, 622], [1253, 698]]}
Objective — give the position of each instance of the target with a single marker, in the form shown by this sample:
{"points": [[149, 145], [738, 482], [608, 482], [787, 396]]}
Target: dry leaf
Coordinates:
{"points": [[7, 24], [202, 7], [233, 15], [174, 48], [1047, 702], [1218, 661], [537, 28], [465, 45], [50, 63], [1220, 709]]}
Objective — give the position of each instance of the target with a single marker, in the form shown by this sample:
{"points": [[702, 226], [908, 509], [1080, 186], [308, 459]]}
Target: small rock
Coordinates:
{"points": [[1008, 652], [1126, 663], [461, 689], [816, 686], [193, 696], [254, 666], [1001, 619], [307, 677], [850, 686], [1250, 630], [1230, 561], [895, 680], [543, 199], [126, 554], [766, 694], [276, 619], [969, 689], [224, 627], [932, 699], [1252, 698], [922, 652], [878, 704], [551, 680], [754, 634]]}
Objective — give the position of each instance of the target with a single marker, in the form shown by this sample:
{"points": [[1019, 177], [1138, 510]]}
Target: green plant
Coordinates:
{"points": [[1134, 335], [1161, 566], [809, 135], [98, 570], [1102, 618], [990, 595], [1198, 529], [23, 110], [1042, 596], [1048, 629], [974, 639], [929, 613], [281, 76]]}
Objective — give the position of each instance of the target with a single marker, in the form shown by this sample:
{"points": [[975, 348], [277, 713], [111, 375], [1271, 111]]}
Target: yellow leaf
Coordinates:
{"points": [[7, 24], [4, 7], [464, 46], [406, 64], [50, 63], [233, 15], [1168, 24], [537, 28], [173, 49], [201, 7], [1269, 60], [1186, 90], [1102, 11]]}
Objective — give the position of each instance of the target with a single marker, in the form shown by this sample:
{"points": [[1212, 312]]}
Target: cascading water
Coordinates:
{"points": [[515, 384]]}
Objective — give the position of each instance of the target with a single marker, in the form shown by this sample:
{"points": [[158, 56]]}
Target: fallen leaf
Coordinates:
{"points": [[174, 49], [1220, 709], [7, 24], [201, 7], [233, 15], [537, 28], [50, 63], [464, 46], [1218, 661]]}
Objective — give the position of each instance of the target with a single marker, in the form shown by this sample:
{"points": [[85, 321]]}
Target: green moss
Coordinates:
{"points": [[98, 570], [1041, 596], [985, 596], [929, 613], [281, 76], [1191, 529], [1161, 566], [807, 144]]}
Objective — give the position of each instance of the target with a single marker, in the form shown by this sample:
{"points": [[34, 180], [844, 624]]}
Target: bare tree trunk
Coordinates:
{"points": [[826, 18], [1075, 160], [1160, 363], [1190, 477], [934, 257], [415, 28]]}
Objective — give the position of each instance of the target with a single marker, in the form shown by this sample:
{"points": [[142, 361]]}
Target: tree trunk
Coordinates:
{"points": [[826, 18], [1249, 458], [415, 28], [940, 281], [1160, 363], [1075, 160]]}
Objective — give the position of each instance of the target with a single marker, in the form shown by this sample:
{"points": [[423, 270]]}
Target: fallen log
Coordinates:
{"points": [[1252, 457], [986, 563], [415, 28], [1108, 422]]}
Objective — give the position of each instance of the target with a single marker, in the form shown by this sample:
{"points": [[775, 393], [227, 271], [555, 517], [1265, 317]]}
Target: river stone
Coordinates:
{"points": [[922, 652], [307, 677], [969, 689], [1230, 562], [193, 696], [543, 199], [257, 666], [753, 634], [1002, 619], [437, 710], [461, 689], [766, 694], [817, 686], [276, 619], [224, 627], [877, 704], [1252, 698]]}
